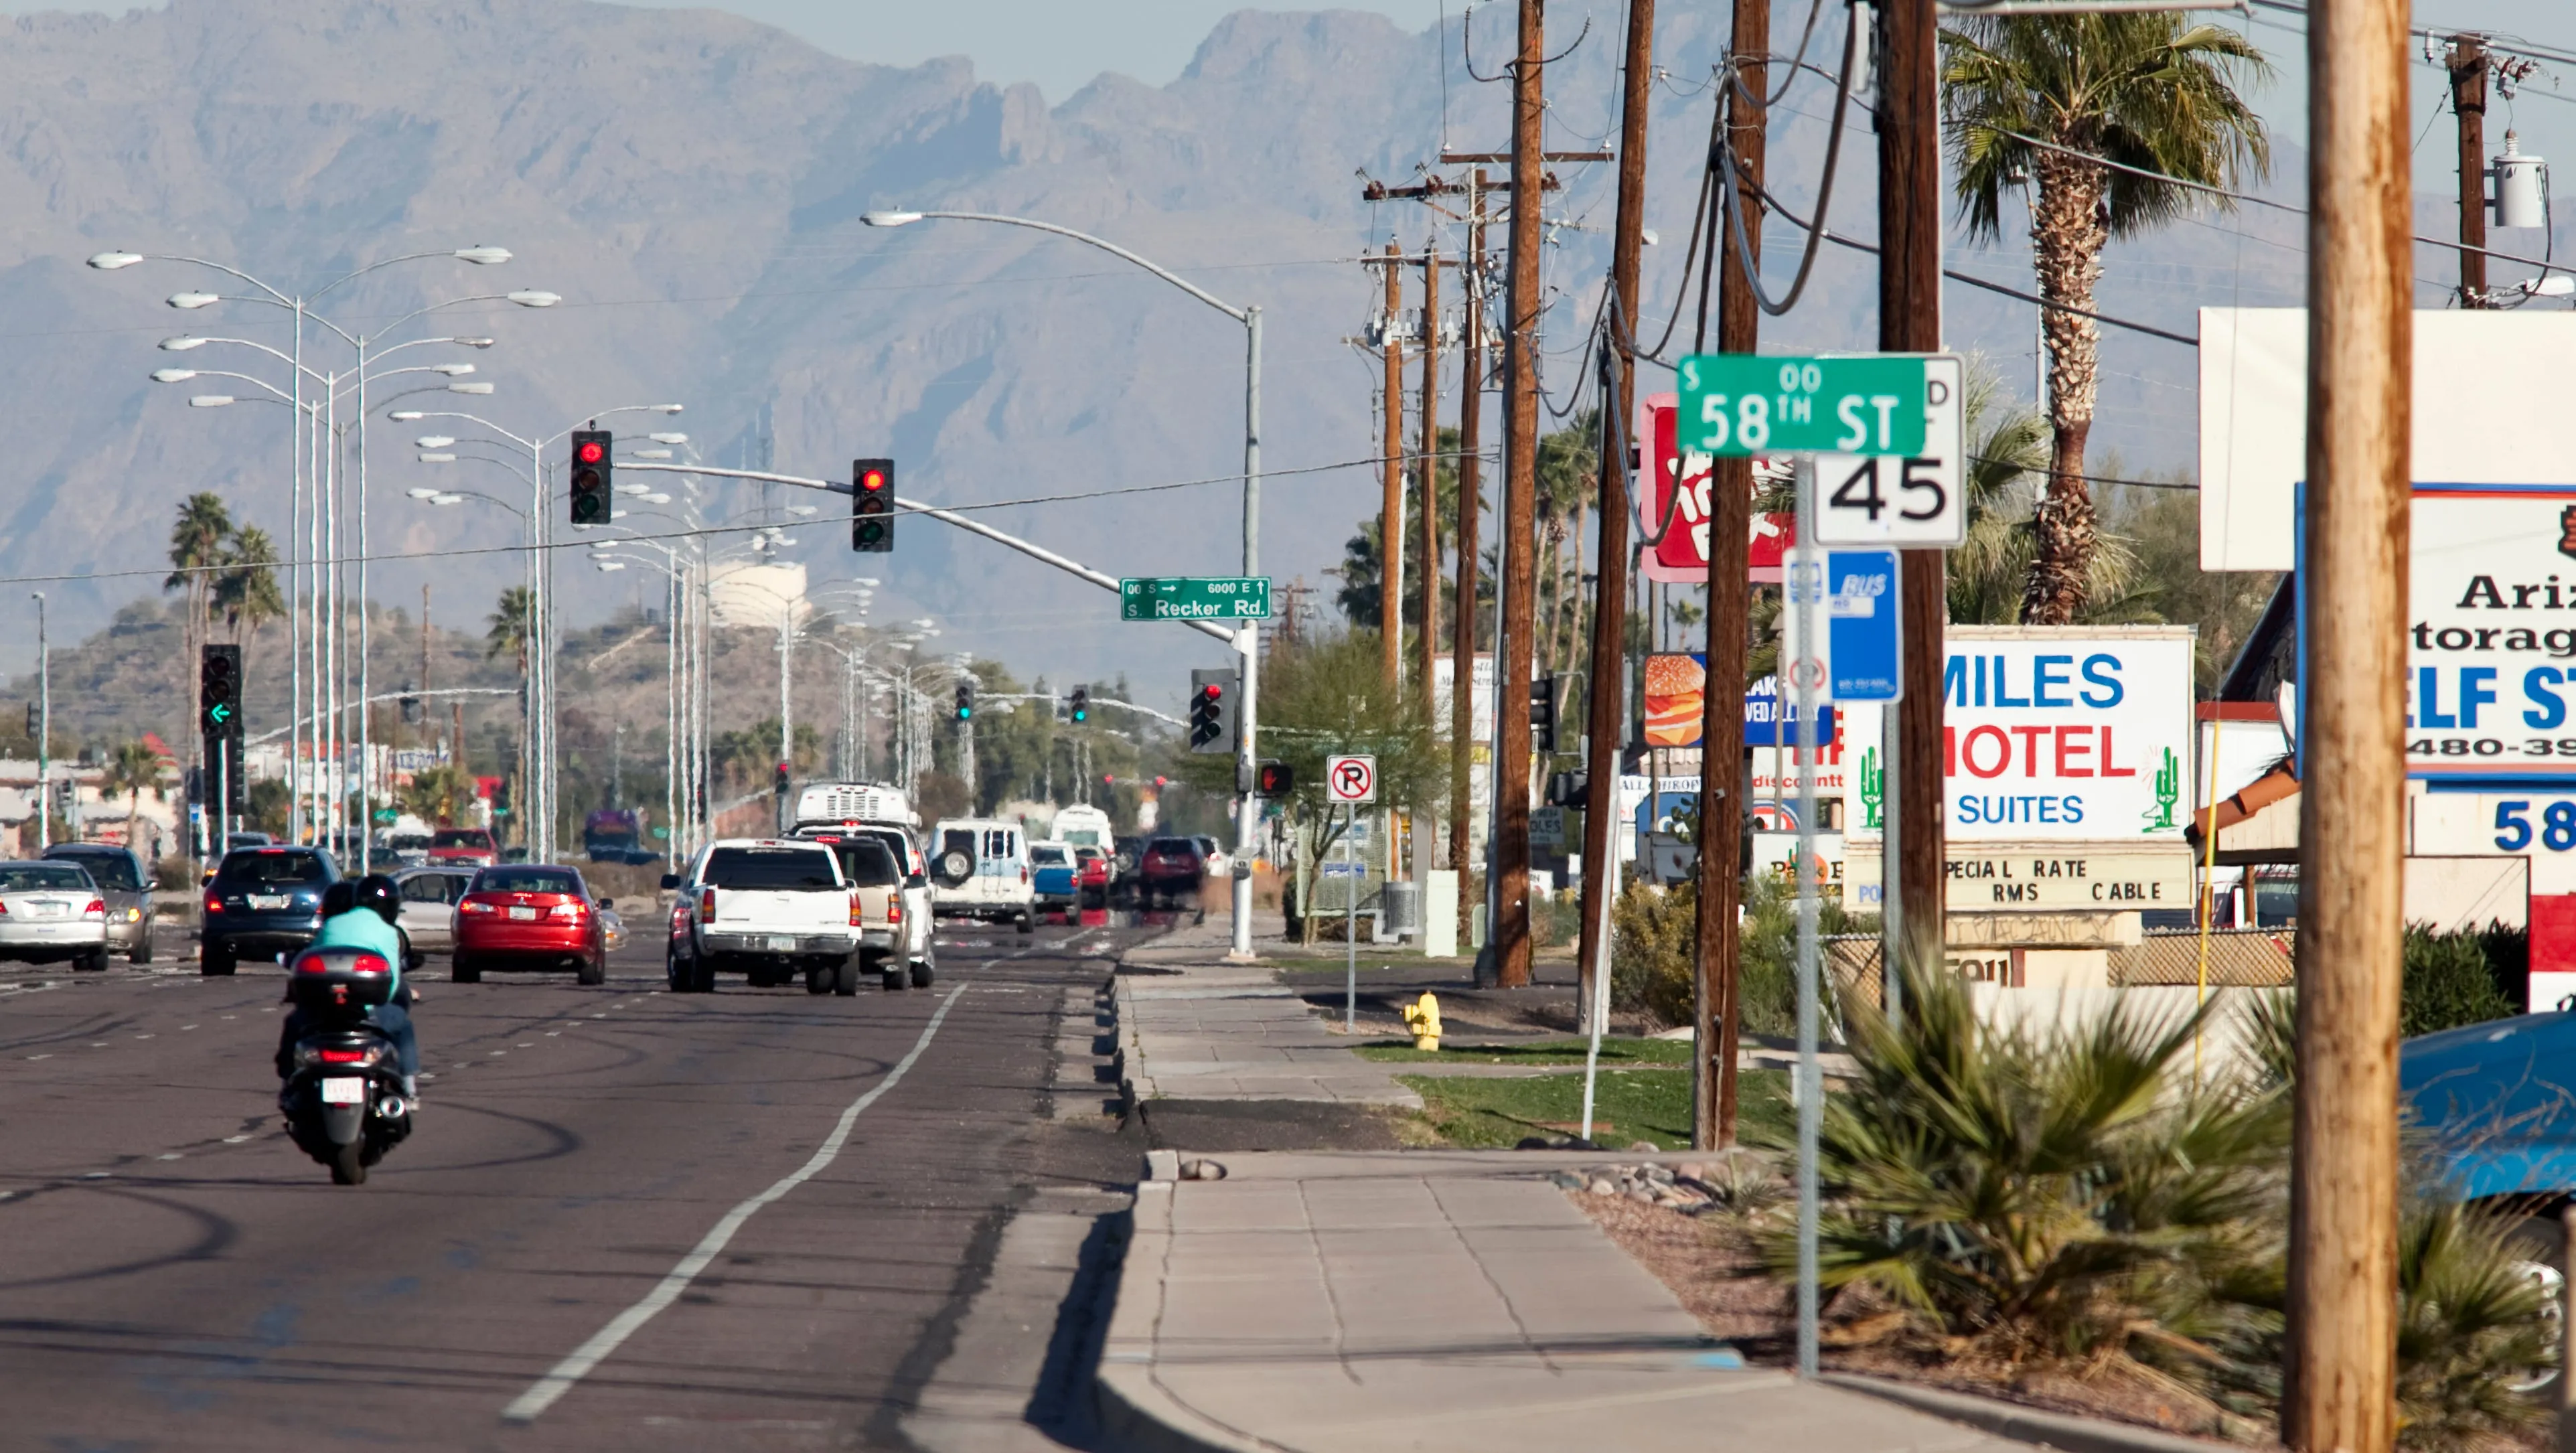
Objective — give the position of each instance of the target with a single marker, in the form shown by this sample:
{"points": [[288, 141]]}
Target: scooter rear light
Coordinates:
{"points": [[344, 1056]]}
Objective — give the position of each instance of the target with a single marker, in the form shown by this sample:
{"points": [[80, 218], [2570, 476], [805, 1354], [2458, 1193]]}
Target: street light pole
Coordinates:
{"points": [[44, 731], [1247, 640]]}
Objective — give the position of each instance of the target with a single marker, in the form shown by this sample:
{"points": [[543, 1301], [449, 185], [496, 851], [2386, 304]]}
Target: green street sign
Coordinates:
{"points": [[386, 816], [1736, 404], [1195, 598]]}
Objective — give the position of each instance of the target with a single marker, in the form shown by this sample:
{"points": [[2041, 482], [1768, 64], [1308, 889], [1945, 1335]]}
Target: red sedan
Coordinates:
{"points": [[532, 918], [1091, 875]]}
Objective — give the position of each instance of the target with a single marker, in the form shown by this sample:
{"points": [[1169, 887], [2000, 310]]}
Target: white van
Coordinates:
{"points": [[979, 868], [1081, 826], [833, 811]]}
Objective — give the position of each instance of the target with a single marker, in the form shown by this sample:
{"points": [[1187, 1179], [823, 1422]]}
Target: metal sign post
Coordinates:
{"points": [[1805, 582], [1350, 927]]}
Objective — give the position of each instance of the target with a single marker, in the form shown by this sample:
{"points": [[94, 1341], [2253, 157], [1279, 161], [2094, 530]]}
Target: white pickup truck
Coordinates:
{"points": [[769, 907]]}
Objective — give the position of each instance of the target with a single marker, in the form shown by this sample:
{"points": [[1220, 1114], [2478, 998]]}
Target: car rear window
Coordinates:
{"points": [[107, 870], [868, 863], [1047, 857], [461, 837], [57, 877], [1173, 845], [526, 880], [778, 870], [430, 887], [258, 865]]}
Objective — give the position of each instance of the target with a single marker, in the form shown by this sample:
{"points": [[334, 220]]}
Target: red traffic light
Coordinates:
{"points": [[1158, 782], [1211, 691], [590, 451], [872, 480]]}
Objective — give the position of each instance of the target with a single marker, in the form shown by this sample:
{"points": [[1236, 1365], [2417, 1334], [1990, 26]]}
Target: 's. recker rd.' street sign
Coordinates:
{"points": [[1751, 403], [1194, 598]]}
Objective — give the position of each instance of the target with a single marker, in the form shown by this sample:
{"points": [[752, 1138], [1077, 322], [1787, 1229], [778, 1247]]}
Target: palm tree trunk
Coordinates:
{"points": [[2068, 231]]}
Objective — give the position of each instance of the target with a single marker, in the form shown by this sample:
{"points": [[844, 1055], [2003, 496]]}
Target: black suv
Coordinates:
{"points": [[263, 902]]}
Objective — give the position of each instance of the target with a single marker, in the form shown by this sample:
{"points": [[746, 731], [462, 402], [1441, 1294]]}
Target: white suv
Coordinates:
{"points": [[979, 868]]}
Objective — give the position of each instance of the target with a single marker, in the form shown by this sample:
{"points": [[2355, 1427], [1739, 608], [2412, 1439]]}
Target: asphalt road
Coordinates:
{"points": [[175, 1274]]}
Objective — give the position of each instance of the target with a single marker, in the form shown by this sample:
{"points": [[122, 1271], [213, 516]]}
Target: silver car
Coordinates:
{"points": [[52, 911], [428, 914], [123, 886]]}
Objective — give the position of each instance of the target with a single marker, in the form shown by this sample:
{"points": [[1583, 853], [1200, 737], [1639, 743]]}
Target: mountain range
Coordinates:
{"points": [[692, 185]]}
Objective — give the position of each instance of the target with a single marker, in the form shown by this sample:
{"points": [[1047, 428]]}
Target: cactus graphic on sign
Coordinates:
{"points": [[1873, 789], [2160, 818]]}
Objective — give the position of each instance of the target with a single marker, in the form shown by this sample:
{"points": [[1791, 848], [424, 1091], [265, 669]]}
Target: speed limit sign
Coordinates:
{"points": [[1351, 779], [1905, 501]]}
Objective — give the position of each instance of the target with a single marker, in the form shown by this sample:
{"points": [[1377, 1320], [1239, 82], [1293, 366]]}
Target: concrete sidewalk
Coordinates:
{"points": [[1194, 1027], [1355, 1302]]}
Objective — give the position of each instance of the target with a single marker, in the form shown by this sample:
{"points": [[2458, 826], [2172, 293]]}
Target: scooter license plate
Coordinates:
{"points": [[782, 945], [344, 1090]]}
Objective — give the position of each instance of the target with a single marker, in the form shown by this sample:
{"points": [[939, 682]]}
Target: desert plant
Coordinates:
{"points": [[2447, 983], [2472, 1332], [2036, 1195]]}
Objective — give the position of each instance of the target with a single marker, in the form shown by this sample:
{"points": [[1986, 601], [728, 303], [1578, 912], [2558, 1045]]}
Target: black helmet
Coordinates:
{"points": [[339, 898], [378, 892]]}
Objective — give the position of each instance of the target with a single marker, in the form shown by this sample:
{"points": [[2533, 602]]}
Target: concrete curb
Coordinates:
{"points": [[1134, 1410], [2064, 1431]]}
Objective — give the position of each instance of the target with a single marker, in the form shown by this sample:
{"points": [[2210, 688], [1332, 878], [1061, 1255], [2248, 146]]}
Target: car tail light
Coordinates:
{"points": [[857, 913], [706, 905], [213, 904], [894, 909], [1024, 872], [570, 911], [97, 909], [473, 904]]}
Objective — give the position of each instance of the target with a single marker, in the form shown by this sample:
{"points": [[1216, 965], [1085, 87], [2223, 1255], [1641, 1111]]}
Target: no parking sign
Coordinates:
{"points": [[1351, 779]]}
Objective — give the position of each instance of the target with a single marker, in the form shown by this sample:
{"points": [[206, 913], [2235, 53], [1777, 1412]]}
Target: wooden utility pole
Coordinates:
{"points": [[1428, 469], [1716, 987], [1604, 723], [2469, 105], [1909, 321], [1390, 513], [2339, 1393], [1510, 942], [1471, 468]]}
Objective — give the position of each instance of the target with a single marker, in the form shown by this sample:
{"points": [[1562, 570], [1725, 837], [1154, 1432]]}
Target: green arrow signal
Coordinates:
{"points": [[220, 713]]}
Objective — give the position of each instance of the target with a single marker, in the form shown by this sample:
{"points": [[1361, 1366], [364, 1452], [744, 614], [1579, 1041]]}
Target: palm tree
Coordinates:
{"points": [[197, 543], [1987, 574], [246, 590], [439, 794], [1567, 472], [131, 770], [510, 629], [2042, 96]]}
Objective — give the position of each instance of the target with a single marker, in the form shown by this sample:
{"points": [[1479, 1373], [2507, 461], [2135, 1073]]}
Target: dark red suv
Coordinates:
{"points": [[1172, 869]]}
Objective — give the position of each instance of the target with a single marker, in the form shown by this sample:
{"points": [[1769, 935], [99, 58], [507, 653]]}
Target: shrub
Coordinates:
{"points": [[2060, 1194], [1655, 944], [2448, 983]]}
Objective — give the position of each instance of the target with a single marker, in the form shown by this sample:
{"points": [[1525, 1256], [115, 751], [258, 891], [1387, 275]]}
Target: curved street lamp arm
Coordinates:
{"points": [[255, 381], [1185, 285], [371, 267], [281, 299], [529, 444]]}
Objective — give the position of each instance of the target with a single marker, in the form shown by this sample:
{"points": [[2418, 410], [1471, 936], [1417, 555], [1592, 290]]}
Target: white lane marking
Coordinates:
{"points": [[542, 1393], [235, 1139], [40, 1056]]}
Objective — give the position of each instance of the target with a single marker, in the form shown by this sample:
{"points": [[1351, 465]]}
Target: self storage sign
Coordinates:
{"points": [[2491, 635], [2048, 735]]}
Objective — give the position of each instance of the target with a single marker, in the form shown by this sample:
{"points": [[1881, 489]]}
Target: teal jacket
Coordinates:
{"points": [[365, 928]]}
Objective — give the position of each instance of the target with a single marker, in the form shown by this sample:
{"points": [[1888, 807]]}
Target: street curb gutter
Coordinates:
{"points": [[2026, 1425], [1134, 1410]]}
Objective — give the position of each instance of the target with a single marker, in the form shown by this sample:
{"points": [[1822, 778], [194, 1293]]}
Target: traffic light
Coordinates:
{"points": [[872, 505], [1542, 709], [219, 693], [1569, 789], [1276, 780], [410, 703], [591, 468], [1081, 710], [965, 701], [782, 779], [1212, 711]]}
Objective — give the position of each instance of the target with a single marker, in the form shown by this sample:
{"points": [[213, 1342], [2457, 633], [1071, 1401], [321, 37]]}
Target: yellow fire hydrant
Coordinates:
{"points": [[1422, 1016]]}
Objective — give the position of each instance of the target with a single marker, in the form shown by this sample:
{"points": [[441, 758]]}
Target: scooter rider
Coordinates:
{"points": [[361, 915]]}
